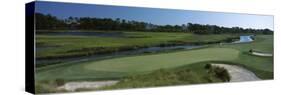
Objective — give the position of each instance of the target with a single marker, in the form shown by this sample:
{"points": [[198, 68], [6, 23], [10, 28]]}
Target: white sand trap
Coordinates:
{"points": [[238, 74], [72, 86]]}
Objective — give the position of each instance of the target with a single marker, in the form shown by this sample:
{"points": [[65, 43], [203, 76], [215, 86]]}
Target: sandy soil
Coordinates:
{"points": [[72, 86], [238, 74]]}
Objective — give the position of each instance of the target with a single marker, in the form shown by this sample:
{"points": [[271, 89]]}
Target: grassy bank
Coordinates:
{"points": [[188, 74], [184, 75]]}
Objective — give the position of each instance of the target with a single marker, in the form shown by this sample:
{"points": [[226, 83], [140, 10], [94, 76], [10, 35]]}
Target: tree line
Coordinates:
{"points": [[49, 22]]}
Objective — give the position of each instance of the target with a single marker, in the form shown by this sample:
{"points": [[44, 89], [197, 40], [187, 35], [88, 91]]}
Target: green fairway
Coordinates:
{"points": [[136, 64], [166, 60]]}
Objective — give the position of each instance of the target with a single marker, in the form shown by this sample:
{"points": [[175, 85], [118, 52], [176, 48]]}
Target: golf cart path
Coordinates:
{"points": [[238, 74], [73, 86], [262, 54]]}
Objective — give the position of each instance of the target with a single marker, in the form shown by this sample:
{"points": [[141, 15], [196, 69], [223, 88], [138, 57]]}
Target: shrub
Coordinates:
{"points": [[59, 82], [251, 50], [221, 73], [208, 66]]}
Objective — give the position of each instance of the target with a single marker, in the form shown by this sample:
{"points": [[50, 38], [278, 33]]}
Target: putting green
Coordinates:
{"points": [[164, 60]]}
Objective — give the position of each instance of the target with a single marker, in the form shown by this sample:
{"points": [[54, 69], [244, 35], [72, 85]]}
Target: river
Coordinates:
{"points": [[154, 49]]}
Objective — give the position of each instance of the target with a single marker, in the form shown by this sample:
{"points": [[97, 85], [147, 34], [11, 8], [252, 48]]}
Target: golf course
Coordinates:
{"points": [[101, 47], [213, 49]]}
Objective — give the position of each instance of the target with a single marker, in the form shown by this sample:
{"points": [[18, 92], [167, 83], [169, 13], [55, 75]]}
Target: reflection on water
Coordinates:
{"points": [[244, 39]]}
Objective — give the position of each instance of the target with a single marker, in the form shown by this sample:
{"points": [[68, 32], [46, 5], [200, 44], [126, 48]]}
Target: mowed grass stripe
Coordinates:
{"points": [[166, 60]]}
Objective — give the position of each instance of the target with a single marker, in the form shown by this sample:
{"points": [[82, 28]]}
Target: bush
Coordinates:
{"points": [[251, 50], [59, 82], [208, 66], [221, 73]]}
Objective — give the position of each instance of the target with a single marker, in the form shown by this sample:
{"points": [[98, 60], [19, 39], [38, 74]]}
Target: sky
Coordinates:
{"points": [[154, 15]]}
